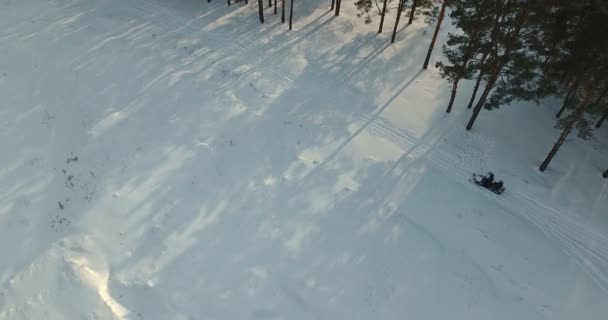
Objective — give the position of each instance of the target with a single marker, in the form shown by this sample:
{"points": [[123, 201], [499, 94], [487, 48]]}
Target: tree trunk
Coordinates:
{"points": [[229, 3], [453, 96], [439, 20], [382, 16], [282, 11], [479, 78], [482, 63], [562, 109], [261, 9], [269, 3], [549, 55], [605, 175], [482, 100], [602, 119], [275, 6], [477, 83], [500, 64], [333, 3], [565, 78], [462, 71], [399, 11], [338, 3], [565, 104], [601, 96], [291, 15], [413, 11], [580, 111], [555, 148]]}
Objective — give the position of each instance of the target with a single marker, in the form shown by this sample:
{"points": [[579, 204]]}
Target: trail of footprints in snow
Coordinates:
{"points": [[77, 183]]}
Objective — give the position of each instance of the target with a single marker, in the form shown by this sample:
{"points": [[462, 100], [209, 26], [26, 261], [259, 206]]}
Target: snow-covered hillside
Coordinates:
{"points": [[175, 159]]}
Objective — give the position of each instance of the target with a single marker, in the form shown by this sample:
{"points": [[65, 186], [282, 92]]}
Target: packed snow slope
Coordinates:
{"points": [[175, 159]]}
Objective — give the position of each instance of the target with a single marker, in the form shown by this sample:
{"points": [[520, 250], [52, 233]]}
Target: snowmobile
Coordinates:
{"points": [[488, 182]]}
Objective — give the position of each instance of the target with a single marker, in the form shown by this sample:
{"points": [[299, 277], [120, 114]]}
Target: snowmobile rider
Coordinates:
{"points": [[488, 181], [497, 185]]}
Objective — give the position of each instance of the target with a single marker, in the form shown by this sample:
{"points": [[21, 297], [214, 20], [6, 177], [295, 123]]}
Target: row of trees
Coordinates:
{"points": [[271, 3], [514, 50], [414, 8], [529, 50], [519, 50]]}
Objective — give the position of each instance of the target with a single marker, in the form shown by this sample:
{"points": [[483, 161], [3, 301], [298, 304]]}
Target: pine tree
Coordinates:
{"points": [[291, 15], [367, 9], [424, 7], [338, 4], [437, 27], [481, 68], [599, 107], [602, 119], [413, 11], [567, 125], [506, 41], [261, 10], [282, 11], [399, 11], [585, 59], [567, 100], [385, 2], [462, 50]]}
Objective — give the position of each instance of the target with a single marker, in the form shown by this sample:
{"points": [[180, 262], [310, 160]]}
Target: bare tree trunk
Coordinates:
{"points": [[461, 72], [602, 119], [478, 81], [555, 148], [269, 3], [382, 16], [439, 20], [601, 96], [399, 11], [565, 104], [482, 100], [282, 11], [261, 9], [605, 174], [580, 110], [291, 15], [412, 11], [275, 6], [453, 96], [333, 3], [229, 3], [338, 3], [482, 65]]}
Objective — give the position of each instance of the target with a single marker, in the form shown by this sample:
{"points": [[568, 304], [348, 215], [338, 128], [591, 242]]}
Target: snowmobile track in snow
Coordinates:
{"points": [[584, 243]]}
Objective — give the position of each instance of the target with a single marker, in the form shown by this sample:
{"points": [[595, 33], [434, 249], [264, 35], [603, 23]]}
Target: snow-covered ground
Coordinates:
{"points": [[175, 159]]}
